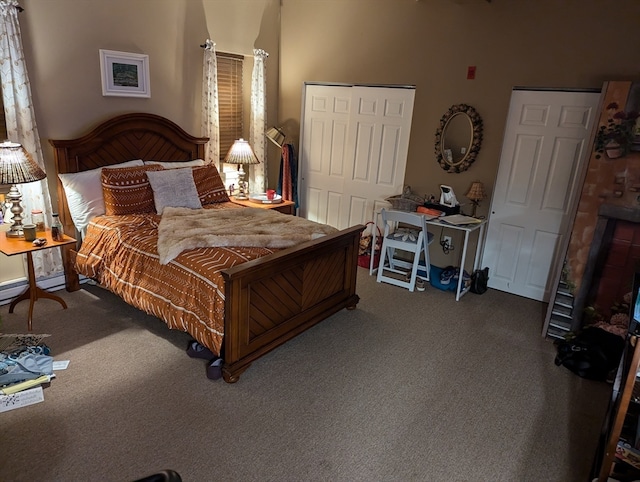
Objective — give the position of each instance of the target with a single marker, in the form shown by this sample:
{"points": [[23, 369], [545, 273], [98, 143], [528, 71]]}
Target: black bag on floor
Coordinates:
{"points": [[592, 354], [479, 280]]}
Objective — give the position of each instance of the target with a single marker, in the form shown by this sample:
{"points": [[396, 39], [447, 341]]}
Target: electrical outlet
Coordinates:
{"points": [[448, 242]]}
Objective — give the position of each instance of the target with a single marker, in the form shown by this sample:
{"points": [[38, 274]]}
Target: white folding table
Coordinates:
{"points": [[461, 290]]}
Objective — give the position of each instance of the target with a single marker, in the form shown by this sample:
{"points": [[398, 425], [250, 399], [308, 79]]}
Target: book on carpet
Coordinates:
{"points": [[25, 385], [21, 399]]}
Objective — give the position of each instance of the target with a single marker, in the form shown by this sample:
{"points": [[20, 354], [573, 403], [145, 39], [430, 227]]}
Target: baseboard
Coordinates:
{"points": [[10, 289]]}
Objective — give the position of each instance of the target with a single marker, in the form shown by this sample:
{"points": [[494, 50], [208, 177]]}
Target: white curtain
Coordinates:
{"points": [[210, 113], [258, 181], [21, 126]]}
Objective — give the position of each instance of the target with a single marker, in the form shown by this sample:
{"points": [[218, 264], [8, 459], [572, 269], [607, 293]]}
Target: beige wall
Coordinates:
{"points": [[11, 267], [61, 40], [430, 44]]}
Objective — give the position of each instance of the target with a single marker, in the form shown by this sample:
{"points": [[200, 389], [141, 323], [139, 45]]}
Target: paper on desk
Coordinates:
{"points": [[459, 219]]}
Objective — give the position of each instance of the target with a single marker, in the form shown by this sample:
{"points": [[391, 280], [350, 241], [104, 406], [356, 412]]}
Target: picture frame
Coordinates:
{"points": [[124, 74]]}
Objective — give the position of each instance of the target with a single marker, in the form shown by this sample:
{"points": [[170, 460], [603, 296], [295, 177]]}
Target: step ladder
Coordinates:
{"points": [[562, 312]]}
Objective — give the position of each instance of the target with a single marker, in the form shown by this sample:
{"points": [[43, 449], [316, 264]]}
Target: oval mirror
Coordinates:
{"points": [[458, 138]]}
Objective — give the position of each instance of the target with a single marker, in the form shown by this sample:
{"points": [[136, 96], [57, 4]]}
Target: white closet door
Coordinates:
{"points": [[544, 150], [323, 144], [354, 145]]}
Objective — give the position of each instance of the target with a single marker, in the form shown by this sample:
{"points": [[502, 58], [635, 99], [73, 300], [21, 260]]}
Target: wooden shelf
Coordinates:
{"points": [[619, 416]]}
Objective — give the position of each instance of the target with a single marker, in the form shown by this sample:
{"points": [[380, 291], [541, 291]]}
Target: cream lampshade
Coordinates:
{"points": [[241, 153], [17, 167], [275, 135], [476, 194]]}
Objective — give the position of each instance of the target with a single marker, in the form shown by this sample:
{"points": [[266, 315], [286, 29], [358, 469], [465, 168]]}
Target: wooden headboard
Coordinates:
{"points": [[126, 137]]}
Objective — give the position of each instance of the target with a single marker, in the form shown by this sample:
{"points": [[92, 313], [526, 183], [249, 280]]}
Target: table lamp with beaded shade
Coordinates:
{"points": [[241, 153], [476, 194], [17, 167]]}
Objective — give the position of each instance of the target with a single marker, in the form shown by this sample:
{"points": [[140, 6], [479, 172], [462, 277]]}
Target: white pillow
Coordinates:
{"points": [[179, 164], [83, 191], [175, 188]]}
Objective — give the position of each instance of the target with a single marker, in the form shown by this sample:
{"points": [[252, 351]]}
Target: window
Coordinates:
{"points": [[229, 99]]}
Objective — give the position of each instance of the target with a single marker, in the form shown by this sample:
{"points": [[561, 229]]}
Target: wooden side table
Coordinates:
{"points": [[13, 246], [285, 207]]}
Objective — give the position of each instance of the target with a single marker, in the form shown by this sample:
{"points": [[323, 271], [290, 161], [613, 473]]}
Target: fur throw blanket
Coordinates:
{"points": [[182, 228]]}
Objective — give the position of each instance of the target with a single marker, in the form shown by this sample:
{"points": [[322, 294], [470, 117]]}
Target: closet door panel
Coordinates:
{"points": [[370, 158]]}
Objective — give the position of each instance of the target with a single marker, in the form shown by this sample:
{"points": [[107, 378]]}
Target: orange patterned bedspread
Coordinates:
{"points": [[120, 252]]}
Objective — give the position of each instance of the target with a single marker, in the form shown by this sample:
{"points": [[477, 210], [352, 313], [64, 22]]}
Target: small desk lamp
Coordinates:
{"points": [[476, 194], [241, 153], [275, 135], [17, 167]]}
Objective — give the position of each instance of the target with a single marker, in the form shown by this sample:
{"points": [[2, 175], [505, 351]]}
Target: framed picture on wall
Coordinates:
{"points": [[124, 74]]}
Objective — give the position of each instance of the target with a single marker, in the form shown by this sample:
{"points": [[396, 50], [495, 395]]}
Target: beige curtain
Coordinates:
{"points": [[210, 113], [21, 126], [258, 172]]}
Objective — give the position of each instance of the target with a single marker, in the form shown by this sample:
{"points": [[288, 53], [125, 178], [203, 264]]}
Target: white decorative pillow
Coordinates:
{"points": [[179, 164], [83, 191], [175, 188]]}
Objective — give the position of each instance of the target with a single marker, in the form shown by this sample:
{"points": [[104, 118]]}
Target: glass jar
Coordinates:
{"points": [[37, 218], [57, 233]]}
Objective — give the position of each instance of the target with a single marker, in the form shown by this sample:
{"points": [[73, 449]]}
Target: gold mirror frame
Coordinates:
{"points": [[475, 138]]}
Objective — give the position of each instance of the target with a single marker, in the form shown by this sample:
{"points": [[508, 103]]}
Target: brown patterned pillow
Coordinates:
{"points": [[127, 190], [209, 185]]}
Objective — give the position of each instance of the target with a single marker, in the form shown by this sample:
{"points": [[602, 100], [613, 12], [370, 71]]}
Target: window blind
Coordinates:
{"points": [[229, 99]]}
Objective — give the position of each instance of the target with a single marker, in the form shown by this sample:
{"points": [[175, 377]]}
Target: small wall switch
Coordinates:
{"points": [[471, 72]]}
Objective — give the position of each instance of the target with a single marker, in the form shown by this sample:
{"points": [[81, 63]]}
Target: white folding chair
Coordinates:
{"points": [[412, 237]]}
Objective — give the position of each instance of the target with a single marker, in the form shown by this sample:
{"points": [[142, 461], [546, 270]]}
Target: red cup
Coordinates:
{"points": [[271, 194]]}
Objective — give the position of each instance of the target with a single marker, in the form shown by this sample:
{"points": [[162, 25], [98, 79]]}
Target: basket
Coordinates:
{"points": [[405, 202], [364, 252]]}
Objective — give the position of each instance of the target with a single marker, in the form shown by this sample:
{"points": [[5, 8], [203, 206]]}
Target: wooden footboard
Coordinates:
{"points": [[272, 299]]}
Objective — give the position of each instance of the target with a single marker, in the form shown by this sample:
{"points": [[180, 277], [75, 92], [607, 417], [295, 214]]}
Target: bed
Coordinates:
{"points": [[269, 299]]}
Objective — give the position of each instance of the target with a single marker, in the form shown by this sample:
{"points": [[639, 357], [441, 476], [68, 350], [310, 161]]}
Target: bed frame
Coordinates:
{"points": [[269, 300]]}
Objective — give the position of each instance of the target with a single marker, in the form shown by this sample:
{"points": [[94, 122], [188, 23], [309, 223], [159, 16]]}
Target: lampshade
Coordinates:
{"points": [[476, 191], [17, 167], [241, 153], [275, 135]]}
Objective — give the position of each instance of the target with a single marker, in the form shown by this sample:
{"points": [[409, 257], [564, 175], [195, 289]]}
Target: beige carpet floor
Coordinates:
{"points": [[408, 387]]}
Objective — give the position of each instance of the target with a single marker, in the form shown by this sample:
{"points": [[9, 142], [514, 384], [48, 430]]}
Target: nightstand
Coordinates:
{"points": [[285, 207], [12, 246]]}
